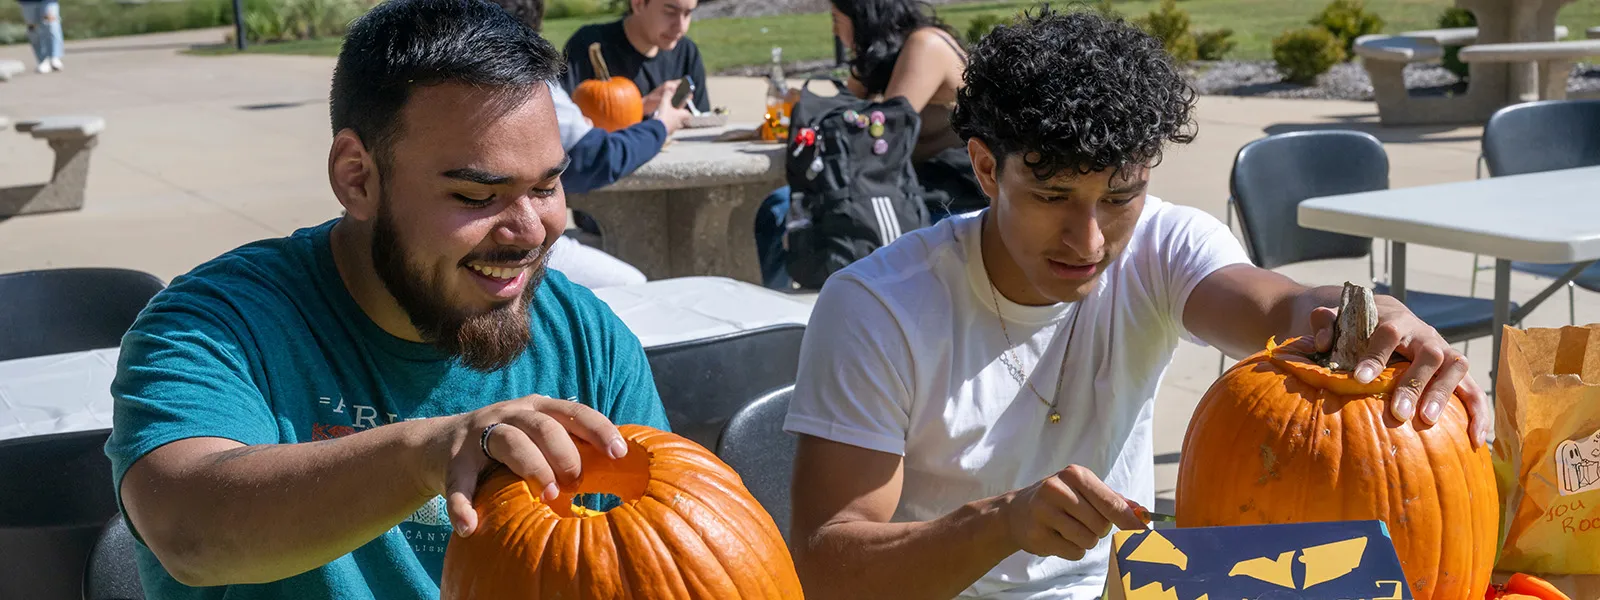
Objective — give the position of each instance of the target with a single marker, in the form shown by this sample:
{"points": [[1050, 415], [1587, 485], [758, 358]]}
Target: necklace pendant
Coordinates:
{"points": [[1055, 417]]}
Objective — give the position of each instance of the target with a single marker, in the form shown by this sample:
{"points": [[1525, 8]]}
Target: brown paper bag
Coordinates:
{"points": [[1547, 450]]}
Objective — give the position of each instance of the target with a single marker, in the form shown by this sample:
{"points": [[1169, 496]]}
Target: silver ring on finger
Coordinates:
{"points": [[483, 440]]}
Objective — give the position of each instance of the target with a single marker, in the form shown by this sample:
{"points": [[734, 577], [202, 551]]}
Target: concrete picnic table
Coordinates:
{"points": [[691, 209], [1551, 217]]}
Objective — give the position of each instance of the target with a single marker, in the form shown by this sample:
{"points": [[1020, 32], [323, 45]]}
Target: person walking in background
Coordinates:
{"points": [[44, 32], [899, 49]]}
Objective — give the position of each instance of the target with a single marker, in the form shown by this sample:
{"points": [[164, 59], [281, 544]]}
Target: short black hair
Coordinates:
{"points": [[1083, 91], [401, 45]]}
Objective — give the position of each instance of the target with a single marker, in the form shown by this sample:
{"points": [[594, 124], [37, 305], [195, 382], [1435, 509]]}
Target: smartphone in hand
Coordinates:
{"points": [[685, 90]]}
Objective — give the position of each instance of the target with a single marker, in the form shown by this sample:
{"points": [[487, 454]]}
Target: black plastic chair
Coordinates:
{"points": [[1273, 175], [113, 572], [762, 453], [704, 382], [1548, 135], [70, 310], [57, 497]]}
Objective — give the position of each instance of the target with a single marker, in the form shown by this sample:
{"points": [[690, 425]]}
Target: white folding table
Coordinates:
{"points": [[1551, 217], [71, 392]]}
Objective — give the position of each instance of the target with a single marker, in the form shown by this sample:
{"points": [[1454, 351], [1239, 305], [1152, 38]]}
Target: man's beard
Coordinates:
{"points": [[486, 341]]}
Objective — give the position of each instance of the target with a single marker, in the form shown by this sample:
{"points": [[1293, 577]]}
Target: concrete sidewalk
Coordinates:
{"points": [[203, 154]]}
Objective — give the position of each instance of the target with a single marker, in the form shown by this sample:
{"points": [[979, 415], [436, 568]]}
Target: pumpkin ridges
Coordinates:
{"points": [[683, 544], [750, 509], [648, 569], [702, 521], [600, 561], [744, 570]]}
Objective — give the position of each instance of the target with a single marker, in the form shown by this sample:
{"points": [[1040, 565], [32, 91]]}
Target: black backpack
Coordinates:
{"points": [[851, 192]]}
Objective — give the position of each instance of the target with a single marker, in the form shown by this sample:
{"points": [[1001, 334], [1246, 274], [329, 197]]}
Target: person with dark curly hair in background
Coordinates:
{"points": [[974, 402]]}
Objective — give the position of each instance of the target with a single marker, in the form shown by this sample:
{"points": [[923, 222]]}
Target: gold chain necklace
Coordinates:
{"points": [[1015, 367]]}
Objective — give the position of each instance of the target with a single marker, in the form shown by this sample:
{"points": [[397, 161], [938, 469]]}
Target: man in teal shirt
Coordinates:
{"points": [[307, 417]]}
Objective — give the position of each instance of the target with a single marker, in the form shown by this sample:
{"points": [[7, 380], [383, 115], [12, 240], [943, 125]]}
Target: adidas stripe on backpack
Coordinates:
{"points": [[852, 186]]}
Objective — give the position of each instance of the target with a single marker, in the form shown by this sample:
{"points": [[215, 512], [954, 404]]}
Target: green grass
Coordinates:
{"points": [[84, 19], [736, 42]]}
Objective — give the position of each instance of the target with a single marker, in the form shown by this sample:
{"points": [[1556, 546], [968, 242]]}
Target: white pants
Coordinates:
{"points": [[591, 267]]}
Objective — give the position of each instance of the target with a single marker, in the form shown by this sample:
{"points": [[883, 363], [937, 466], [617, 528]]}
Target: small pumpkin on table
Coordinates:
{"points": [[611, 102]]}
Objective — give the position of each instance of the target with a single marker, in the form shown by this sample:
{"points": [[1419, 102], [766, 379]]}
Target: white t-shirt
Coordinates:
{"points": [[903, 355]]}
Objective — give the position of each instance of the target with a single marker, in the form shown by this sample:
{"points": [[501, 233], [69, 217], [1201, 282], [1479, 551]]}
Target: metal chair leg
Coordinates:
{"points": [[1572, 308]]}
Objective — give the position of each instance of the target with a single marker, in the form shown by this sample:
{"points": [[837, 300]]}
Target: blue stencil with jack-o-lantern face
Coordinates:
{"points": [[1346, 560]]}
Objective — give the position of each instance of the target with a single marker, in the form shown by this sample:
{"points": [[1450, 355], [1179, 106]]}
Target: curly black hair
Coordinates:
{"points": [[1073, 90]]}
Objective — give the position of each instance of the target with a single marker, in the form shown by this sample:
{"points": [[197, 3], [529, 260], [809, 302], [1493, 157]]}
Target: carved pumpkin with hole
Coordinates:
{"points": [[686, 528], [611, 102], [1282, 438]]}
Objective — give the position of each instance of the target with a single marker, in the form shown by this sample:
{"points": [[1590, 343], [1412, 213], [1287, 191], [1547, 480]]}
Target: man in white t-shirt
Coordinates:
{"points": [[974, 401]]}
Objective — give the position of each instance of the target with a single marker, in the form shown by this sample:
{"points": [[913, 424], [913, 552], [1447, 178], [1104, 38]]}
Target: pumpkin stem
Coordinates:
{"points": [[1358, 317], [595, 58]]}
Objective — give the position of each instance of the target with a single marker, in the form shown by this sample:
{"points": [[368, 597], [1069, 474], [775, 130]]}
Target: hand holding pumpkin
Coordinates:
{"points": [[1066, 514], [1436, 369], [533, 436]]}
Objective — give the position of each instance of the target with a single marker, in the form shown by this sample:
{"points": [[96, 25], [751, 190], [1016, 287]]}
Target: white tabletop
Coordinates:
{"points": [[1550, 217], [51, 394], [71, 392]]}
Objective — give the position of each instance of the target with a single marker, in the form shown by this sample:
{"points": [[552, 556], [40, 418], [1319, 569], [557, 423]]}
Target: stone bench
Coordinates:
{"points": [[72, 139], [10, 68], [1554, 60]]}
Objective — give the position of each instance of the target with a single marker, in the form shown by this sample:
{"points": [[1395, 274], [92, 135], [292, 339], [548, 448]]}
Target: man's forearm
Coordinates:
{"points": [[928, 559], [261, 513]]}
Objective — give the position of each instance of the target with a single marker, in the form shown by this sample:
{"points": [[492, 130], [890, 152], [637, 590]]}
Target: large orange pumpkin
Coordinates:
{"points": [[611, 102], [1281, 439], [686, 528]]}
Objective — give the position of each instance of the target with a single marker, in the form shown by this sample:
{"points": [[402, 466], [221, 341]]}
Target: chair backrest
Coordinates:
{"points": [[762, 453], [1542, 136], [70, 310], [113, 572], [1273, 175], [57, 495], [703, 382]]}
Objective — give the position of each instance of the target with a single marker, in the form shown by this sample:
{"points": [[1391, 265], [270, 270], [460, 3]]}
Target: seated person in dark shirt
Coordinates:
{"points": [[649, 46]]}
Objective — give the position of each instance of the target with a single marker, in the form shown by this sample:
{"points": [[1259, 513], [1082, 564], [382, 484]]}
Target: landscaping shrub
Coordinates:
{"points": [[13, 33], [1456, 17], [1214, 44], [1170, 24], [286, 20], [1347, 20], [1303, 54], [982, 25], [1105, 9], [561, 9]]}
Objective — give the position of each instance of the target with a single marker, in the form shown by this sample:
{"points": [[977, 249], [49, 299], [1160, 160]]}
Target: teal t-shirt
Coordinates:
{"points": [[264, 345]]}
